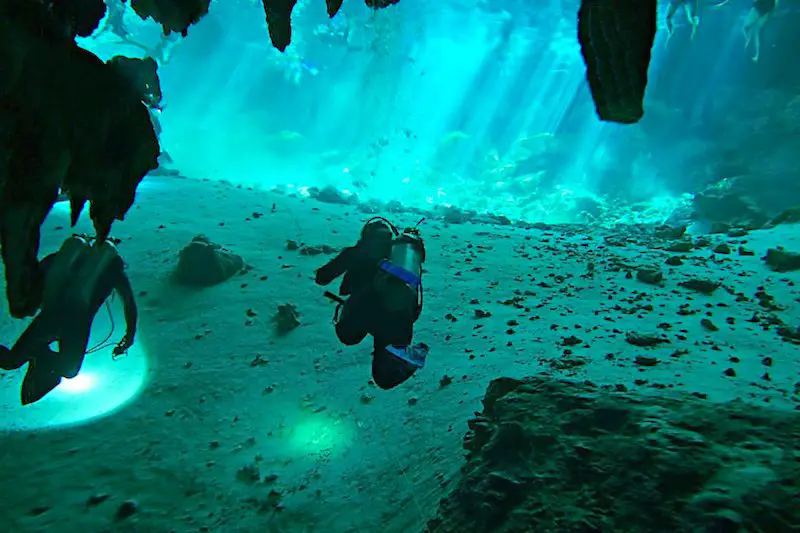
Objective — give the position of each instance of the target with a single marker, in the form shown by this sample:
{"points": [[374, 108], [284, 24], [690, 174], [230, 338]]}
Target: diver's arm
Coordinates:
{"points": [[335, 267], [125, 291]]}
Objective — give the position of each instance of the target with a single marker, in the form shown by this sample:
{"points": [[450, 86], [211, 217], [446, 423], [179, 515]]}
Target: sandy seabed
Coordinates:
{"points": [[215, 423]]}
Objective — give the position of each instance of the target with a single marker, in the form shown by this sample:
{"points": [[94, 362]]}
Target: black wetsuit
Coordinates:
{"points": [[364, 313], [69, 326], [764, 7]]}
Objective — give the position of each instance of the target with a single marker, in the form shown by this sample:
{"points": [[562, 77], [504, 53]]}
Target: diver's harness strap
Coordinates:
{"points": [[401, 273], [339, 300]]}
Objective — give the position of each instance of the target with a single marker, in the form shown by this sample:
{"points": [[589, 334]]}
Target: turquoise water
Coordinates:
{"points": [[479, 106]]}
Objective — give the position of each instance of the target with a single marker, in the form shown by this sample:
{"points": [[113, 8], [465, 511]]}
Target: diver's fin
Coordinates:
{"points": [[414, 355], [616, 39], [39, 381]]}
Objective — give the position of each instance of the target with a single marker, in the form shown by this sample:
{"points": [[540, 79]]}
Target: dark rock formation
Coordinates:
{"points": [[68, 123], [279, 21], [279, 17], [173, 15], [559, 457], [727, 208], [203, 264], [788, 216], [616, 38], [747, 201]]}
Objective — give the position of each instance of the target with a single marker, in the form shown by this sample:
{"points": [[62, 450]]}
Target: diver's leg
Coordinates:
{"points": [[396, 328], [34, 343], [672, 8], [757, 44], [39, 380], [72, 346], [757, 36], [693, 10], [389, 371], [6, 363], [355, 318], [747, 27], [692, 14]]}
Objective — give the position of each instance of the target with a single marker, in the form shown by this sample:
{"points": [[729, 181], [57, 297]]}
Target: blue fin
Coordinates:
{"points": [[413, 355]]}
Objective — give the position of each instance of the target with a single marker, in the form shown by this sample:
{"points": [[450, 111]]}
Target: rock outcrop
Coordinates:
{"points": [[748, 201], [202, 263], [560, 457]]}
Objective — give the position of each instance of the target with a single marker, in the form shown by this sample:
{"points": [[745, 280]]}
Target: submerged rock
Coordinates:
{"points": [[203, 264], [703, 286], [680, 247], [789, 216], [651, 276], [286, 319], [727, 208], [780, 260], [331, 195], [665, 231], [555, 456]]}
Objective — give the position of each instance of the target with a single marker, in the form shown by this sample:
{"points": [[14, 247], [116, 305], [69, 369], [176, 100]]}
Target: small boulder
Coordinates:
{"points": [[780, 260], [202, 263], [286, 319]]}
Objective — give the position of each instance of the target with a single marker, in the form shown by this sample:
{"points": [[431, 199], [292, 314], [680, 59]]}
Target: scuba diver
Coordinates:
{"points": [[757, 17], [114, 23], [692, 10], [114, 20], [383, 279], [79, 278]]}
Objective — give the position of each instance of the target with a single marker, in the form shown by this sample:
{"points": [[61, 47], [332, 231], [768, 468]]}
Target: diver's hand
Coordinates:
{"points": [[124, 344], [320, 278]]}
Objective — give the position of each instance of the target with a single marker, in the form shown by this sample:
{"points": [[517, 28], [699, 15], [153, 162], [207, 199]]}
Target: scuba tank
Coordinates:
{"points": [[99, 259], [59, 273], [400, 279], [72, 277]]}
